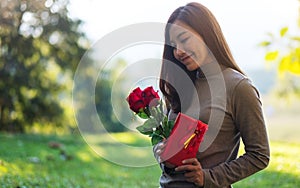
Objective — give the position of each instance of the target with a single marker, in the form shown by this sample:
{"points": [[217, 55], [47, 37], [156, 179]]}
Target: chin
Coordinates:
{"points": [[191, 68]]}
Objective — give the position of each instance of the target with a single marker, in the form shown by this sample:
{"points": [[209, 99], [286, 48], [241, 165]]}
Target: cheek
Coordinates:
{"points": [[200, 53], [203, 49]]}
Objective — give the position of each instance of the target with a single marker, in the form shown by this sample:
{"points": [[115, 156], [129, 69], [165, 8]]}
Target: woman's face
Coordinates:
{"points": [[189, 47]]}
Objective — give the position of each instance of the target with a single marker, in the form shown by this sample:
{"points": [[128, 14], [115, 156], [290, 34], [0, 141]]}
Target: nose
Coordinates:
{"points": [[179, 52]]}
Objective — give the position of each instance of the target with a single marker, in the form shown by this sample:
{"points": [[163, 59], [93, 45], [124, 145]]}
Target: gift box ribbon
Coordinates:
{"points": [[192, 142]]}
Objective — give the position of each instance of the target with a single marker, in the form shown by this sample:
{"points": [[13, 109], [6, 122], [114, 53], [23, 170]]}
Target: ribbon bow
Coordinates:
{"points": [[186, 143], [192, 142]]}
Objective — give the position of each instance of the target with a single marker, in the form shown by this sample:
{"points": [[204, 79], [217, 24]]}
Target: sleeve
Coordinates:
{"points": [[248, 118]]}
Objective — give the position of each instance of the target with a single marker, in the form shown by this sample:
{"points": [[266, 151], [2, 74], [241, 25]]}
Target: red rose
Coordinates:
{"points": [[150, 96], [135, 100]]}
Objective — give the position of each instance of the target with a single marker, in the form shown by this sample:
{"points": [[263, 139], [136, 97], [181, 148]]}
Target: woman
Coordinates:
{"points": [[195, 43]]}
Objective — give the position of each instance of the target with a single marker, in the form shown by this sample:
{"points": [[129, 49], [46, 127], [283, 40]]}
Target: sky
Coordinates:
{"points": [[244, 23]]}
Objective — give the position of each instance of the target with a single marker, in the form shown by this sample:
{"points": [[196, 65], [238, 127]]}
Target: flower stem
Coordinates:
{"points": [[147, 111], [161, 130]]}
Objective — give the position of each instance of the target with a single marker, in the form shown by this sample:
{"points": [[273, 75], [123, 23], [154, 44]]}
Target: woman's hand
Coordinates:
{"points": [[158, 150], [194, 172]]}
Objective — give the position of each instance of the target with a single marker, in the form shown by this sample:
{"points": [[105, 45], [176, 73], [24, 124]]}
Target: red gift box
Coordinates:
{"points": [[184, 140]]}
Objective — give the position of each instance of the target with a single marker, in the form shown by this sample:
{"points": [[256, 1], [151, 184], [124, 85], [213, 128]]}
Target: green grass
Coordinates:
{"points": [[28, 161], [283, 170], [84, 169]]}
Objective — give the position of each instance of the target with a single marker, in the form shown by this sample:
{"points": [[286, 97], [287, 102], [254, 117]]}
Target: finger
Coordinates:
{"points": [[158, 152], [190, 174], [193, 161], [159, 159], [185, 167], [161, 145], [192, 179]]}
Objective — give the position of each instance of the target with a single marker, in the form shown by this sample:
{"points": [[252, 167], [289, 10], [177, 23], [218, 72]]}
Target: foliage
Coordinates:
{"points": [[40, 47], [283, 48], [95, 89], [86, 169], [103, 98]]}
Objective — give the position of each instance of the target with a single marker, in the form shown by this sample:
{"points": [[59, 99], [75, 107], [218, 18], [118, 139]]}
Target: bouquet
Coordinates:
{"points": [[183, 135], [148, 105]]}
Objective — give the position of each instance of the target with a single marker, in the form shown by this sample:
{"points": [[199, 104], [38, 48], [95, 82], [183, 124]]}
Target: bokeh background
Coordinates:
{"points": [[42, 43]]}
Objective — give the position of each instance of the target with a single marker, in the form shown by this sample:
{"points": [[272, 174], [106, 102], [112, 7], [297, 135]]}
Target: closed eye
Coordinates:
{"points": [[185, 40]]}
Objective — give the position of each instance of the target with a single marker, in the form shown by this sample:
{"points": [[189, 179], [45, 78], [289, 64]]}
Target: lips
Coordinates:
{"points": [[184, 58]]}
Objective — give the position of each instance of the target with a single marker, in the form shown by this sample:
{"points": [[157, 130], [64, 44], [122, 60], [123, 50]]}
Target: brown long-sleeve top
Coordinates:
{"points": [[231, 106]]}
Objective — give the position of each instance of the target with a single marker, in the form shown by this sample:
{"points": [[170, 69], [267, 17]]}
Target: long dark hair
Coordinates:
{"points": [[205, 24]]}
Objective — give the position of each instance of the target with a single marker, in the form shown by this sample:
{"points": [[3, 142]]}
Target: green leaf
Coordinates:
{"points": [[169, 127], [150, 123], [296, 38], [153, 111], [283, 31], [284, 65], [264, 43], [144, 130], [156, 138], [161, 106], [271, 56], [171, 124], [147, 127], [143, 115], [295, 68], [158, 131], [297, 52], [165, 120]]}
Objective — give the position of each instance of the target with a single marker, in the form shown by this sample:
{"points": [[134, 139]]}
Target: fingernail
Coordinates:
{"points": [[176, 169], [183, 161]]}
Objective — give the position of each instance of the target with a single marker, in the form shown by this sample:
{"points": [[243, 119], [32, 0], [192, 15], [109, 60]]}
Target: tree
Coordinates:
{"points": [[93, 89], [284, 49], [103, 97], [40, 48]]}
